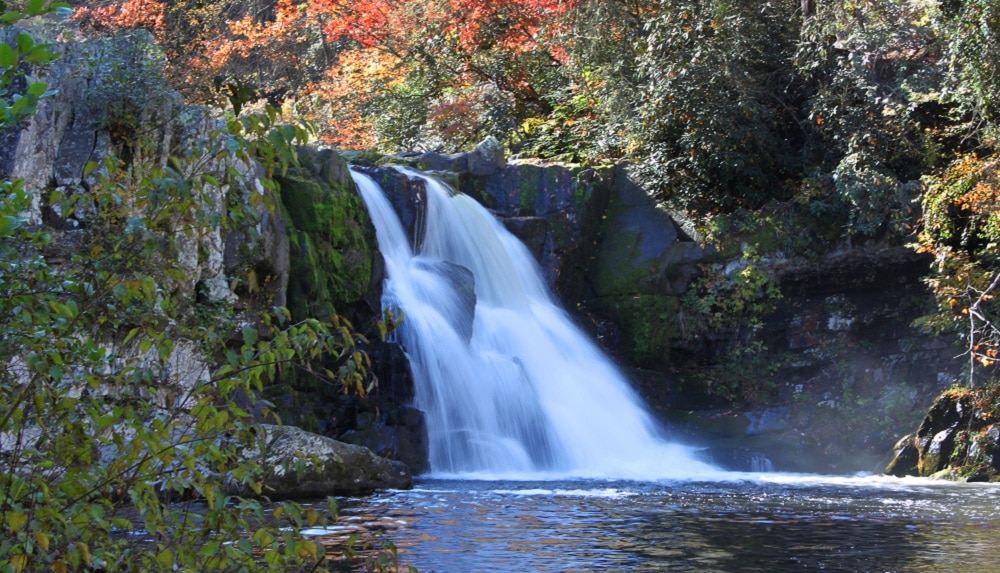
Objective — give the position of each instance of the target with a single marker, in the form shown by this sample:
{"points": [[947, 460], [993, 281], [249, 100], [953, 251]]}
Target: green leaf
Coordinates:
{"points": [[36, 89], [16, 520], [166, 559], [25, 42], [130, 335], [249, 335], [42, 539], [8, 57]]}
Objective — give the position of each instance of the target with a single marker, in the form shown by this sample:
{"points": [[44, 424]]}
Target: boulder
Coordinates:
{"points": [[304, 465], [906, 460], [432, 161], [641, 250], [956, 440], [487, 158], [407, 195], [461, 282]]}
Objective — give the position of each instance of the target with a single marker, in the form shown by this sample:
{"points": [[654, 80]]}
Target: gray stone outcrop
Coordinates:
{"points": [[78, 126], [304, 465]]}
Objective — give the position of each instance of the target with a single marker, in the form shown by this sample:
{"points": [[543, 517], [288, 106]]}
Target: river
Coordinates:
{"points": [[745, 523]]}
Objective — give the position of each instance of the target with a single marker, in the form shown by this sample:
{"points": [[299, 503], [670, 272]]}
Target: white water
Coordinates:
{"points": [[529, 393]]}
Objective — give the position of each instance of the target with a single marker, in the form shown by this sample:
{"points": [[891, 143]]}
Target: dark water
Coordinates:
{"points": [[764, 523]]}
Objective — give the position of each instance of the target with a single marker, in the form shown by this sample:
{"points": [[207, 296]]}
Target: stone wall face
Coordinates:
{"points": [[843, 371]]}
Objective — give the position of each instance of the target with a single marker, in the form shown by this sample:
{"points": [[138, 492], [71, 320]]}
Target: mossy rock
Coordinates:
{"points": [[648, 325], [639, 250], [791, 231], [332, 246]]}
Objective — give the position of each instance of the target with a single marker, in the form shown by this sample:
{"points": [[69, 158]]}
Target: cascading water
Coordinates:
{"points": [[523, 391]]}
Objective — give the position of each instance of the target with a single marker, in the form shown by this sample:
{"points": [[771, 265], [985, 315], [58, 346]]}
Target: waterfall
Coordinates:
{"points": [[508, 384]]}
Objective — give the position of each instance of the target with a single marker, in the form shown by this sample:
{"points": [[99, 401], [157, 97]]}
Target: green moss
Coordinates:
{"points": [[786, 228], [582, 193], [331, 248], [619, 267], [527, 190], [474, 187], [367, 158], [648, 325]]}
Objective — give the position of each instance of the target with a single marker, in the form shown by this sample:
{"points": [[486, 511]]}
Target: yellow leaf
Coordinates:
{"points": [[16, 520], [42, 539], [19, 562]]}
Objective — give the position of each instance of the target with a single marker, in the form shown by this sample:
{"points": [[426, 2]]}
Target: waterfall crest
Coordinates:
{"points": [[523, 391]]}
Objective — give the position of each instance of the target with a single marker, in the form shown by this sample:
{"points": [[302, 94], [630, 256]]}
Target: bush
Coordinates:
{"points": [[711, 109], [126, 424]]}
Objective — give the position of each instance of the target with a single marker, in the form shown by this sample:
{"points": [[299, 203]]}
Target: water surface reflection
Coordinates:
{"points": [[763, 524]]}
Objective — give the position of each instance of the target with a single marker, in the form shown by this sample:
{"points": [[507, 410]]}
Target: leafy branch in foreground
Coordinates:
{"points": [[127, 425], [961, 228]]}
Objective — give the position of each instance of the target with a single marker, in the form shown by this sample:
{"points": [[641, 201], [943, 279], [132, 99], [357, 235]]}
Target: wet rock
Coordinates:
{"points": [[738, 459], [462, 311], [411, 445], [556, 209], [906, 460], [532, 231], [401, 435], [956, 437], [937, 452], [408, 197], [767, 420]]}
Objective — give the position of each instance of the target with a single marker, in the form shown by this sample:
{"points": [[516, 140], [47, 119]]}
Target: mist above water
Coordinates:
{"points": [[523, 391]]}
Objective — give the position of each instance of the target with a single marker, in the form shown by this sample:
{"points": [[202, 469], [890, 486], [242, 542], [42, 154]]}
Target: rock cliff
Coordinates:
{"points": [[817, 366], [802, 356], [113, 116]]}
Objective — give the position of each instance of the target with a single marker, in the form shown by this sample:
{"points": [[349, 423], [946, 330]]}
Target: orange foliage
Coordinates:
{"points": [[268, 41], [334, 59], [339, 102], [515, 25], [145, 14]]}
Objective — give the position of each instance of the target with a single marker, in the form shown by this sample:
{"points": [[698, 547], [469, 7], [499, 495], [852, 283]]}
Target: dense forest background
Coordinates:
{"points": [[875, 119]]}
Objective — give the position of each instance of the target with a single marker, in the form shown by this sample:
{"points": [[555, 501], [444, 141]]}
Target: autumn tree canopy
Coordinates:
{"points": [[387, 73]]}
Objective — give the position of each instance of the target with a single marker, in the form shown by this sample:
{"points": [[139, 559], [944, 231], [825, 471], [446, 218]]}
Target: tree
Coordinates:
{"points": [[417, 73], [125, 420], [971, 30], [961, 228], [712, 113]]}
